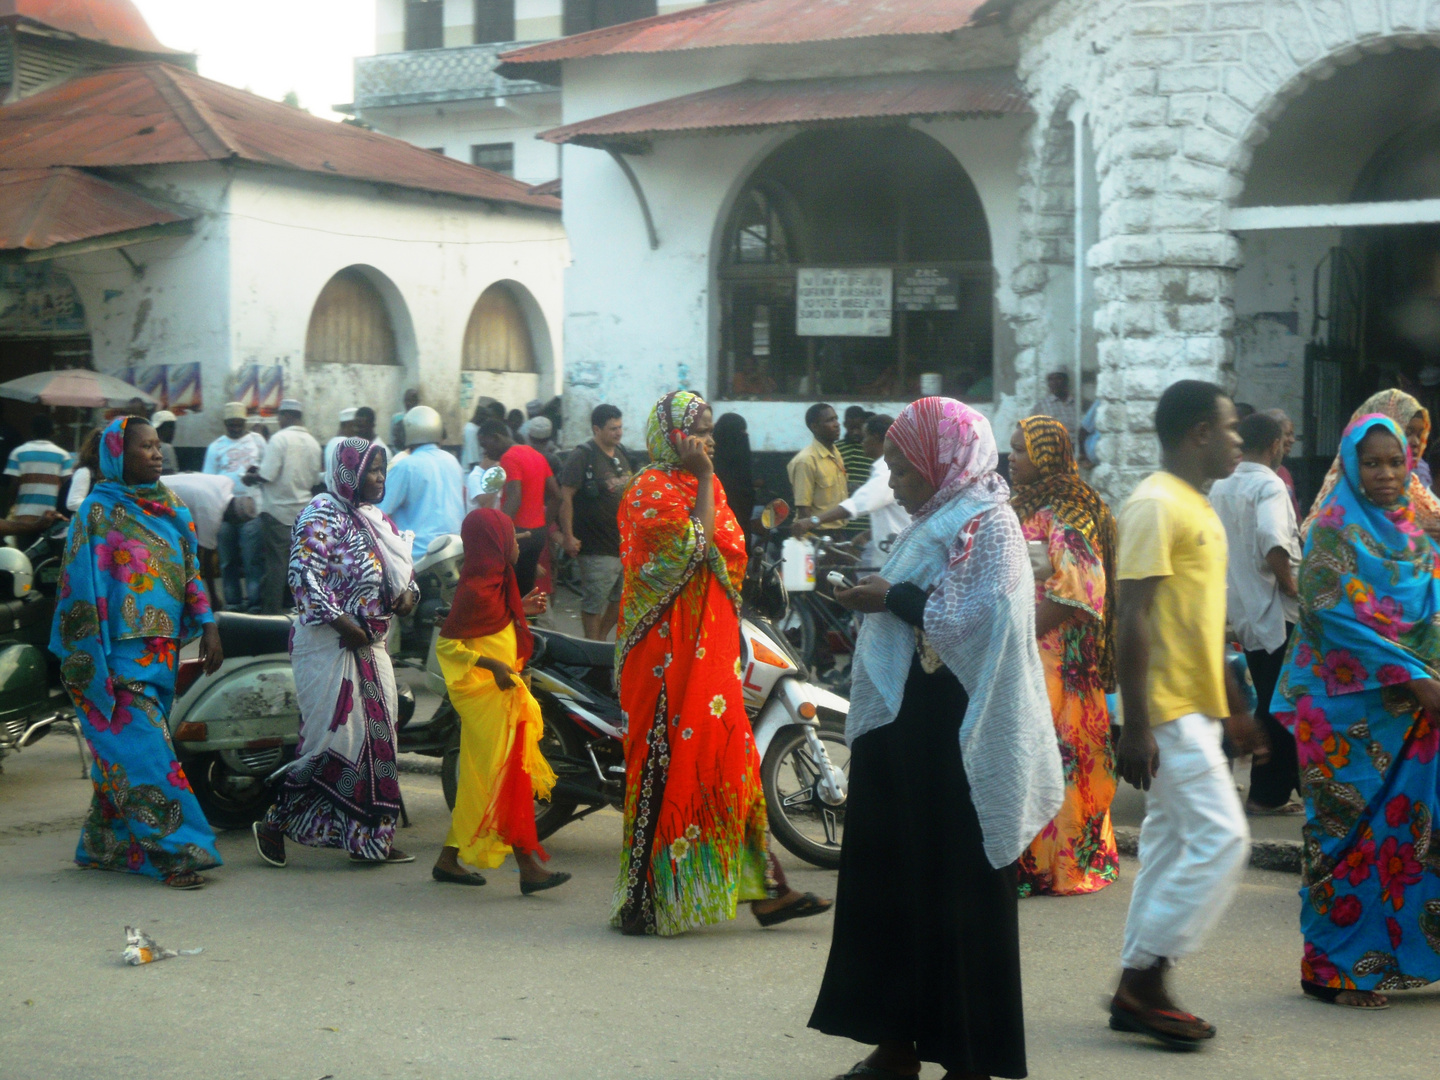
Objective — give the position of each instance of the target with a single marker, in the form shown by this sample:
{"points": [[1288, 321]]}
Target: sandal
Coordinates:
{"points": [[1330, 995], [809, 904], [270, 843], [188, 880], [1289, 809], [395, 856], [452, 878], [1152, 1022], [559, 877]]}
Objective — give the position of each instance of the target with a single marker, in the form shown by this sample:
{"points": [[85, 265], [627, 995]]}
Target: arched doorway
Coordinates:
{"points": [[42, 328], [350, 323], [1327, 310], [856, 261], [498, 337]]}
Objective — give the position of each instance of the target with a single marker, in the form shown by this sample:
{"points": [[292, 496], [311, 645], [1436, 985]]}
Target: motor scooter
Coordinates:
{"points": [[798, 726]]}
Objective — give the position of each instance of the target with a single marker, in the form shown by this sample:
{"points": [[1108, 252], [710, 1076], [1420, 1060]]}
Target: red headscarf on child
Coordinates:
{"points": [[488, 596]]}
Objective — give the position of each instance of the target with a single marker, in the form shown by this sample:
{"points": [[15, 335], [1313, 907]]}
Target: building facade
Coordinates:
{"points": [[1132, 192]]}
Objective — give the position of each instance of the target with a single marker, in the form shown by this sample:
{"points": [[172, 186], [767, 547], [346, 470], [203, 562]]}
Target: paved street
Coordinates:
{"points": [[324, 969]]}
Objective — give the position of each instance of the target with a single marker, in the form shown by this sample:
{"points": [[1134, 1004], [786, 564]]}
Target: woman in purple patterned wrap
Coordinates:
{"points": [[350, 572]]}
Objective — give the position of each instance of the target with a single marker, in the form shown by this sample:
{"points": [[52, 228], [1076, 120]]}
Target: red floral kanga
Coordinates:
{"points": [[1369, 754]]}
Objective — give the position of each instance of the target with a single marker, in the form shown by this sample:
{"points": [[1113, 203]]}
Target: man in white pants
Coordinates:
{"points": [[1179, 699]]}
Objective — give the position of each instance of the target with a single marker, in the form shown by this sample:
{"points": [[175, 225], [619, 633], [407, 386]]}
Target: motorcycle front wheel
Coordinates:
{"points": [[230, 799], [800, 818]]}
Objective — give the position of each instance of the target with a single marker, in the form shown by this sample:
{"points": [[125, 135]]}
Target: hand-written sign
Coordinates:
{"points": [[843, 303], [927, 288]]}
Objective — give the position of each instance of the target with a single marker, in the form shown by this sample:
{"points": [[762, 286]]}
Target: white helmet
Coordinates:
{"points": [[15, 567], [423, 425]]}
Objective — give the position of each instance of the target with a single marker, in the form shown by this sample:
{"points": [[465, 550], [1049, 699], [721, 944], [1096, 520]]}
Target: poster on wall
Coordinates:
{"points": [[153, 381], [927, 288], [36, 299], [182, 385], [843, 303], [260, 388]]}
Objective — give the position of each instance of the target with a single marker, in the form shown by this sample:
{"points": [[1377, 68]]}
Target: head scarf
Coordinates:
{"points": [[344, 482], [953, 447], [1401, 408], [670, 421], [966, 547], [1368, 589], [131, 570], [488, 596], [733, 465], [1076, 504]]}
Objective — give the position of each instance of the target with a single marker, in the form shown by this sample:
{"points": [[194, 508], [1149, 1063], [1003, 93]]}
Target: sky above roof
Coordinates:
{"points": [[272, 46]]}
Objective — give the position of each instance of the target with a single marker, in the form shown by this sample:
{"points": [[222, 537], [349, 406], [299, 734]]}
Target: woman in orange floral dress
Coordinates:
{"points": [[695, 827], [1076, 852]]}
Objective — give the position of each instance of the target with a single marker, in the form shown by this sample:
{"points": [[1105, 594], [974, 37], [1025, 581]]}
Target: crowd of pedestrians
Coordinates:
{"points": [[1001, 616]]}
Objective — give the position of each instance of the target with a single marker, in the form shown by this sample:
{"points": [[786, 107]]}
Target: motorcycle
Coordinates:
{"points": [[32, 700], [798, 726]]}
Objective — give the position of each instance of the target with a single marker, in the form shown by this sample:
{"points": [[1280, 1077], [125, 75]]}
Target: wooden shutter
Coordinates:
{"points": [[498, 335], [350, 324]]}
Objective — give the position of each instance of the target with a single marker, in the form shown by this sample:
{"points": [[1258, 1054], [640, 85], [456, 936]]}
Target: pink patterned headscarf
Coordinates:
{"points": [[953, 447]]}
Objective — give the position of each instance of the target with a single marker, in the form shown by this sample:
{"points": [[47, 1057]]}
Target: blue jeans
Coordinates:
{"points": [[241, 549]]}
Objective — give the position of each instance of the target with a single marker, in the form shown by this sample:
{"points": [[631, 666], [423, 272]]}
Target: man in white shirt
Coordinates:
{"points": [[346, 430], [214, 504], [1261, 600], [240, 543], [874, 497], [288, 472]]}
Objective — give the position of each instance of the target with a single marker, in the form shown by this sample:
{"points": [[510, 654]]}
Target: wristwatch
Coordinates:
{"points": [[813, 522]]}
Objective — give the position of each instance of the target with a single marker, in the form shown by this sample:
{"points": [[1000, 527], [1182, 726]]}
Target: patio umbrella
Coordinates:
{"points": [[76, 387]]}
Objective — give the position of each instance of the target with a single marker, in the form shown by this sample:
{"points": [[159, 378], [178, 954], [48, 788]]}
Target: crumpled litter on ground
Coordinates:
{"points": [[141, 948]]}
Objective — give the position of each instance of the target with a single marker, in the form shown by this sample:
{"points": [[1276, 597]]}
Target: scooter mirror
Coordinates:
{"points": [[492, 480], [774, 514]]}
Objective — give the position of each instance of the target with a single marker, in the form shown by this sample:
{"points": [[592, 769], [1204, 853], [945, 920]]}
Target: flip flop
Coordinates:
{"points": [[807, 905], [1289, 809], [395, 856], [186, 881], [1124, 1018], [1330, 996], [559, 877], [452, 878], [269, 849]]}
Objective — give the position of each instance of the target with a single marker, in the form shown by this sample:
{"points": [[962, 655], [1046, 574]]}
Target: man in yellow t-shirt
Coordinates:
{"points": [[817, 473], [1179, 700]]}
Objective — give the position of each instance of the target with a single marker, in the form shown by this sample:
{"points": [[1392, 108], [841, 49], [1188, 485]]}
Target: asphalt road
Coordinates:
{"points": [[327, 970]]}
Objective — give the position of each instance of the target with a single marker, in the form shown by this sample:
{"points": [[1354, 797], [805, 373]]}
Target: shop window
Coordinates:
{"points": [[350, 323], [494, 21], [857, 263], [583, 15], [497, 157], [497, 338], [424, 24]]}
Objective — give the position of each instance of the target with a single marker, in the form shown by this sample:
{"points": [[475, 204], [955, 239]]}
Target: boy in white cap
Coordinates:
{"points": [[347, 429], [288, 471], [164, 424], [239, 542]]}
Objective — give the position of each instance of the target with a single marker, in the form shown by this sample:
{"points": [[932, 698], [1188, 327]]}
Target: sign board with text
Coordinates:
{"points": [[843, 303], [927, 288]]}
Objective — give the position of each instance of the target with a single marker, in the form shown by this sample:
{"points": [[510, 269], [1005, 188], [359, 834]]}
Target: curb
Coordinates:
{"points": [[1281, 855]]}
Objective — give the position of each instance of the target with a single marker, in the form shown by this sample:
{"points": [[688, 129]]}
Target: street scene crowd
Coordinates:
{"points": [[1021, 650]]}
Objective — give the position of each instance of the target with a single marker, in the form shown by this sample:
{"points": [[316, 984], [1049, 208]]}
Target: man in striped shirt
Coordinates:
{"points": [[36, 471]]}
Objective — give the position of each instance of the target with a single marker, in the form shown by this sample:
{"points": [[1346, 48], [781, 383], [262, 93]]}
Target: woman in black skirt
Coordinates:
{"points": [[954, 769]]}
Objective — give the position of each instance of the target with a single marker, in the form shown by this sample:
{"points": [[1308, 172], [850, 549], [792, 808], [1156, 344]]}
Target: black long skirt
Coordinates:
{"points": [[926, 948]]}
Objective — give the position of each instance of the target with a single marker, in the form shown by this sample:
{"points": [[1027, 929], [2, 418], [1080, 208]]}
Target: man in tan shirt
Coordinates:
{"points": [[817, 473]]}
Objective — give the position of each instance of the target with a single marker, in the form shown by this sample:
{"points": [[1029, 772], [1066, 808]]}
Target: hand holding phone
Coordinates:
{"points": [[837, 579]]}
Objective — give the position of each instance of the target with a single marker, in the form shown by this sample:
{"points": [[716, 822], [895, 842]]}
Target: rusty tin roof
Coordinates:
{"points": [[111, 22], [156, 114], [753, 104], [40, 208]]}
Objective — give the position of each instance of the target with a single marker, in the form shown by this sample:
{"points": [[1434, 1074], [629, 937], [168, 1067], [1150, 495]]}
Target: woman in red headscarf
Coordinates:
{"points": [[483, 647]]}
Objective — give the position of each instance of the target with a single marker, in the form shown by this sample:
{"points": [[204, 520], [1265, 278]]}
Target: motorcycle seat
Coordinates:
{"points": [[574, 651], [24, 614], [252, 635]]}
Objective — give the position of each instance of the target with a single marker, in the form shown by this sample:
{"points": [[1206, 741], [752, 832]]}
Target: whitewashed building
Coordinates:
{"points": [[208, 244], [1241, 190], [432, 80]]}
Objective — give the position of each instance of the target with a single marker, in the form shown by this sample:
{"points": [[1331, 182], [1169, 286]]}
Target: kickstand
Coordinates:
{"points": [[84, 749], [404, 814]]}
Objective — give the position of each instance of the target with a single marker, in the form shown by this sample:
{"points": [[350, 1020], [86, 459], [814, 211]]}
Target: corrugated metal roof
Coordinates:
{"points": [[110, 22], [158, 114], [747, 22], [40, 208], [753, 104]]}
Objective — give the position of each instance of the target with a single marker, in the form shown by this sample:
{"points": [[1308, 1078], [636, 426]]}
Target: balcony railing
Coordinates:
{"points": [[428, 75]]}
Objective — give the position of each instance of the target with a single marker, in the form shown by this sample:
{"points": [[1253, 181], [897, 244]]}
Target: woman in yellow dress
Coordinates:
{"points": [[482, 649]]}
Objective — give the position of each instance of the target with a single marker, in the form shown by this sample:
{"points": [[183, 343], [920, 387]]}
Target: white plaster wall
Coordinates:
{"points": [[290, 234], [176, 311], [456, 126], [640, 323]]}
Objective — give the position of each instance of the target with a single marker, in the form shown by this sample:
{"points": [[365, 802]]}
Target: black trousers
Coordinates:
{"points": [[1272, 782], [531, 549]]}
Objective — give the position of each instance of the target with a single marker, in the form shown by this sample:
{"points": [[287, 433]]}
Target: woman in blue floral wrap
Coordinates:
{"points": [[130, 596], [1361, 682]]}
